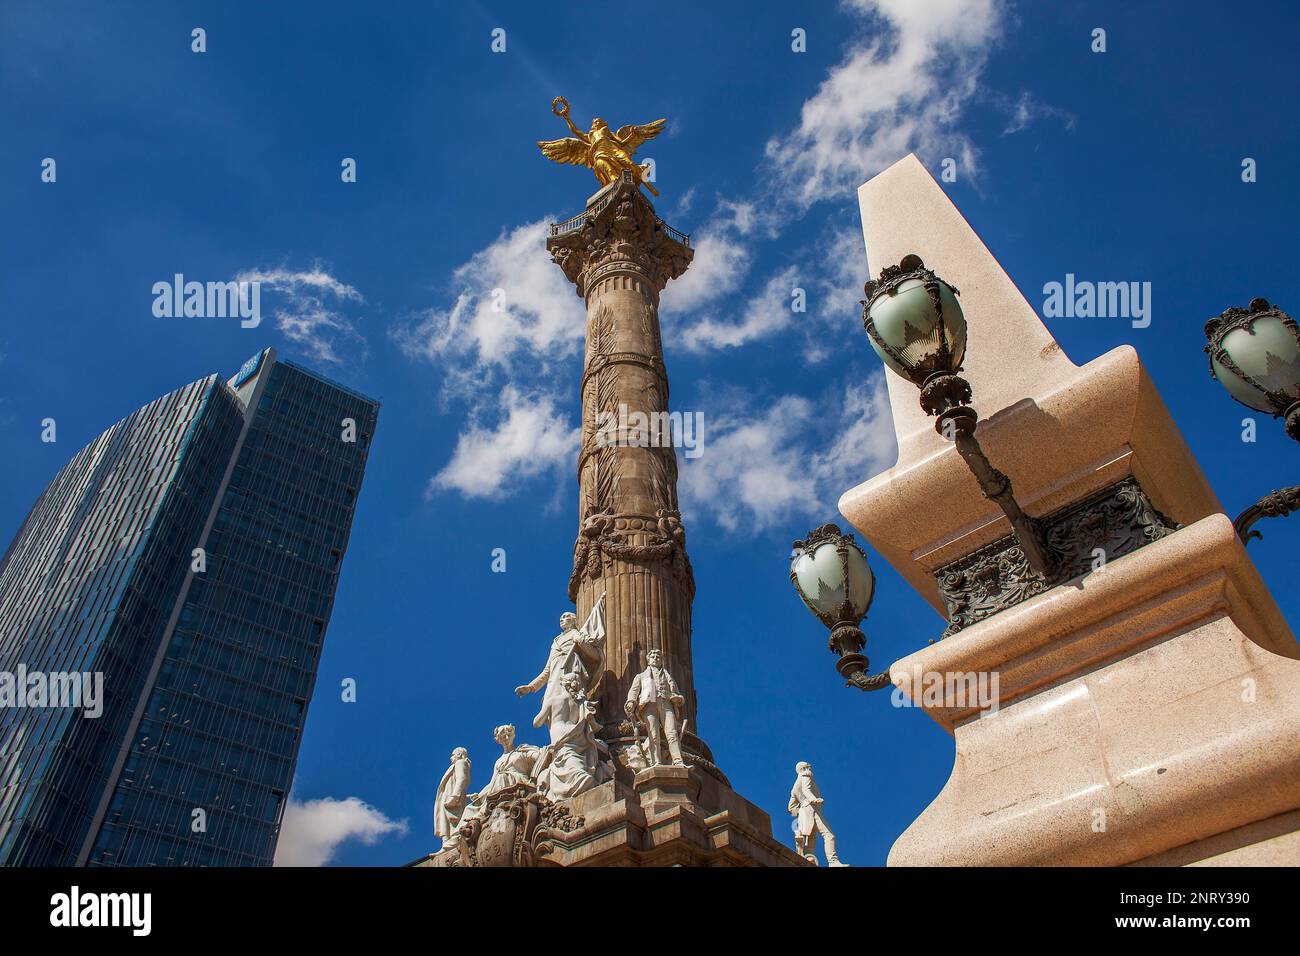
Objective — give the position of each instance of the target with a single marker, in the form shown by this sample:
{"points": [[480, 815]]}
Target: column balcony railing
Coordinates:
{"points": [[595, 209]]}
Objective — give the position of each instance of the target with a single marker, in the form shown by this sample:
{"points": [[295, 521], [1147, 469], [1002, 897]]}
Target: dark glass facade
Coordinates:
{"points": [[207, 673]]}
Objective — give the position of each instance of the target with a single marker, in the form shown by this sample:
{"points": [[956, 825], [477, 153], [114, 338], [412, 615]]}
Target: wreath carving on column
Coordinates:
{"points": [[605, 534]]}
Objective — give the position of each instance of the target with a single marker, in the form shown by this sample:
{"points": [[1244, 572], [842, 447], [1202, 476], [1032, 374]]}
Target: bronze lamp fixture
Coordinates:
{"points": [[916, 325], [1255, 355], [831, 575]]}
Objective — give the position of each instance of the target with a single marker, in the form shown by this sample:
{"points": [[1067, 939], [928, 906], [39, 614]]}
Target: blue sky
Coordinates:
{"points": [[1123, 165]]}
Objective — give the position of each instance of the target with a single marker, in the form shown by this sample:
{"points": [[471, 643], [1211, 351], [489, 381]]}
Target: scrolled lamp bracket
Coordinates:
{"points": [[853, 668], [1279, 504]]}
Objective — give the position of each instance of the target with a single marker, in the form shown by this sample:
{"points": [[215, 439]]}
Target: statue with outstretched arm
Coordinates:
{"points": [[577, 651]]}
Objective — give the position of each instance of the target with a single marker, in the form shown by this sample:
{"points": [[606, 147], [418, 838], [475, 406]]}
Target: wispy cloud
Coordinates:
{"points": [[1026, 109], [830, 278], [311, 308], [506, 340], [765, 314], [788, 459], [530, 436], [721, 262], [835, 291], [510, 300], [900, 89], [684, 202], [513, 333], [312, 831]]}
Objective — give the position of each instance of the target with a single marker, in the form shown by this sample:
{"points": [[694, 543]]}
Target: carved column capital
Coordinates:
{"points": [[619, 233]]}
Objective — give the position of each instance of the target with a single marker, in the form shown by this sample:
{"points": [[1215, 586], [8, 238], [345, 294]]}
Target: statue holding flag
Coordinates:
{"points": [[576, 760]]}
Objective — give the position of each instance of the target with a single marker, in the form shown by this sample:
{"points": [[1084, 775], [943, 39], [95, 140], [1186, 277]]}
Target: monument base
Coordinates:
{"points": [[1148, 690], [1150, 714], [662, 816]]}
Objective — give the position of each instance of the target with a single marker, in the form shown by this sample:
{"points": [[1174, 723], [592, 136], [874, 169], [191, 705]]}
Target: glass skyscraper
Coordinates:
{"points": [[190, 555]]}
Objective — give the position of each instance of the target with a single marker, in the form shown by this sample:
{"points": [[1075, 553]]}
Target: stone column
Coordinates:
{"points": [[631, 545]]}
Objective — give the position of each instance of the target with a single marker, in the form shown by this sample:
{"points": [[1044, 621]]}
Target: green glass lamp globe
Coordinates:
{"points": [[907, 331], [833, 578], [1257, 360]]}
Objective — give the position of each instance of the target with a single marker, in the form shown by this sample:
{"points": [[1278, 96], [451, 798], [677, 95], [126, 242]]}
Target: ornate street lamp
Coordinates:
{"points": [[916, 326], [831, 576], [1255, 355]]}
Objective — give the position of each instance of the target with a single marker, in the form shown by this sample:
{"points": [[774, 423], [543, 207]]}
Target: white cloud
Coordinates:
{"points": [[685, 202], [746, 218], [749, 468], [835, 295], [514, 317], [832, 282], [1026, 109], [898, 91], [510, 299], [722, 255], [312, 831], [720, 265], [310, 310], [530, 437], [844, 260], [766, 314], [791, 460], [901, 86], [864, 444]]}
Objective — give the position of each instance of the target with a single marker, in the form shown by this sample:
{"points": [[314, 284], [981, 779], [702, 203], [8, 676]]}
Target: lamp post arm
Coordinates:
{"points": [[1279, 504], [997, 488], [947, 396], [861, 681], [853, 668]]}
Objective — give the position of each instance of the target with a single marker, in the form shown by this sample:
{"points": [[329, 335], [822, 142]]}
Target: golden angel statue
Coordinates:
{"points": [[607, 153]]}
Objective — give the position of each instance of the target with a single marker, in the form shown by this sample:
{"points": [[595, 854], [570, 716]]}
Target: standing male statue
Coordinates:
{"points": [[449, 804], [574, 761], [655, 699], [806, 807]]}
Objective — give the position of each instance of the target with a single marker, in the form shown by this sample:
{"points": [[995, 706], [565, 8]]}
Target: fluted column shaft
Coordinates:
{"points": [[631, 544]]}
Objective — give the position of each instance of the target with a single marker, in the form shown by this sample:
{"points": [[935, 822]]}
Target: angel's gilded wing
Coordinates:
{"points": [[632, 136], [568, 150]]}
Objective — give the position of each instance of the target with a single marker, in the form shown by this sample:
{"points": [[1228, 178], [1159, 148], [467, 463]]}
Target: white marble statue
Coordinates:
{"points": [[449, 804], [577, 651], [655, 699], [806, 807], [513, 767], [575, 761]]}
